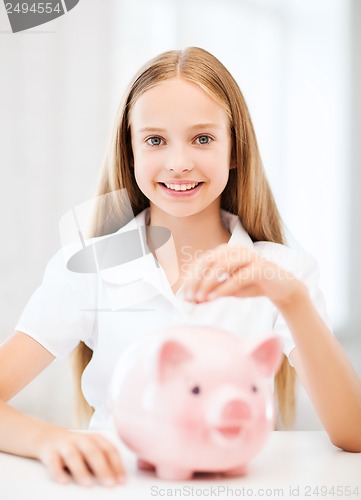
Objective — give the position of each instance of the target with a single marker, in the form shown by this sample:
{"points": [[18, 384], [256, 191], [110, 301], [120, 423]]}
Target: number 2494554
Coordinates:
{"points": [[33, 8]]}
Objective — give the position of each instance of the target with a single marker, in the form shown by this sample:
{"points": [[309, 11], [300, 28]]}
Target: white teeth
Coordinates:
{"points": [[181, 187]]}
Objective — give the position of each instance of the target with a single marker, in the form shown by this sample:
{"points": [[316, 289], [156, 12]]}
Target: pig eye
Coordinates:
{"points": [[254, 388], [196, 390]]}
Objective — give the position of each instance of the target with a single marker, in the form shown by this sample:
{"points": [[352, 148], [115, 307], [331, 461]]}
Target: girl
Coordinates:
{"points": [[185, 151]]}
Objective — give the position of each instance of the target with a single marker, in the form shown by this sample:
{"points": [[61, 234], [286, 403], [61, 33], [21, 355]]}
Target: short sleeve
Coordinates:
{"points": [[304, 267], [61, 312]]}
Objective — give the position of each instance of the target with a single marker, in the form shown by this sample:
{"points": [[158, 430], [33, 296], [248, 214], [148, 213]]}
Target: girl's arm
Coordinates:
{"points": [[324, 370], [65, 453], [332, 384]]}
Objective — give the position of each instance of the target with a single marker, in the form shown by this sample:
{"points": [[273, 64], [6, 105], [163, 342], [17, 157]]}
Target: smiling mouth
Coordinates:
{"points": [[181, 187]]}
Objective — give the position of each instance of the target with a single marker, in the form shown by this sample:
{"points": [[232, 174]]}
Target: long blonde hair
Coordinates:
{"points": [[247, 193]]}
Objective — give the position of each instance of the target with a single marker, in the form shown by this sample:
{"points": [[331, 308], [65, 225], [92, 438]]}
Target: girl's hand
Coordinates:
{"points": [[87, 458], [240, 272]]}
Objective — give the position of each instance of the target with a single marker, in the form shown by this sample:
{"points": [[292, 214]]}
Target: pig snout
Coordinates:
{"points": [[233, 416], [235, 411]]}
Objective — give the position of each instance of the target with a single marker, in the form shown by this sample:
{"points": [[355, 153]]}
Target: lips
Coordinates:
{"points": [[181, 188]]}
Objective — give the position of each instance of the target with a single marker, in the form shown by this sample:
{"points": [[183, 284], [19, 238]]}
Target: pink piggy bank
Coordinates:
{"points": [[194, 399]]}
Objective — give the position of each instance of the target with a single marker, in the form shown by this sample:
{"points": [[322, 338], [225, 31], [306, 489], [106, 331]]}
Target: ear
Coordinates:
{"points": [[172, 355], [268, 356]]}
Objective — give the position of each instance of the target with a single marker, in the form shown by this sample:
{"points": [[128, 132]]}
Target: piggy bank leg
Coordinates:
{"points": [[144, 465], [242, 470], [172, 473]]}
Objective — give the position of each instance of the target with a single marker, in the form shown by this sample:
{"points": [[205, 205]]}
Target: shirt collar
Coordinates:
{"points": [[146, 270], [143, 268], [239, 235]]}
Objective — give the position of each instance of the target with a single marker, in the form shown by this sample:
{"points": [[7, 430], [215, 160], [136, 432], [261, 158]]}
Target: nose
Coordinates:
{"points": [[236, 410], [178, 160]]}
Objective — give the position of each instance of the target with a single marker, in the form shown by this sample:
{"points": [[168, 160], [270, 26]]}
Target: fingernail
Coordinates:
{"points": [[188, 295], [63, 480], [87, 481], [199, 296], [108, 481], [120, 479]]}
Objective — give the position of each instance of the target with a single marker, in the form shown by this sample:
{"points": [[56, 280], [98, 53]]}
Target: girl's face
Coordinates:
{"points": [[182, 147]]}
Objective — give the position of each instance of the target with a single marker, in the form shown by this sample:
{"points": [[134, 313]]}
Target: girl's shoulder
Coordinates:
{"points": [[60, 272]]}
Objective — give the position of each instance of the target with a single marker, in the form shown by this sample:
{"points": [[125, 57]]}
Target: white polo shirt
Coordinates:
{"points": [[111, 308]]}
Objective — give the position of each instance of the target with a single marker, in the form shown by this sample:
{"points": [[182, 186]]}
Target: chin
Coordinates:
{"points": [[185, 207], [179, 211]]}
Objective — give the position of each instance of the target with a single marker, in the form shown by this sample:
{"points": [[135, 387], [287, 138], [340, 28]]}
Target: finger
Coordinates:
{"points": [[214, 277], [56, 468], [215, 268], [211, 276], [210, 270], [97, 462], [113, 457], [76, 464], [200, 269], [242, 283]]}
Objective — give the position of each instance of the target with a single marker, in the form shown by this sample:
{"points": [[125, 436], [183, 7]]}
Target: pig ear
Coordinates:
{"points": [[268, 355], [172, 355]]}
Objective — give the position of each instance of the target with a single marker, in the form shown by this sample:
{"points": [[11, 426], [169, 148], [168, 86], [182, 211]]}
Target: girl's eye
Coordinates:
{"points": [[154, 141], [204, 139]]}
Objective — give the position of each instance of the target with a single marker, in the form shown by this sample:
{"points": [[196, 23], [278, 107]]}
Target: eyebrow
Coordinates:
{"points": [[193, 127]]}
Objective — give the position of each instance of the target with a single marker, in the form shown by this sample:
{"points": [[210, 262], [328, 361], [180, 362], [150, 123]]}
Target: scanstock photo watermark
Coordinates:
{"points": [[26, 15], [291, 491]]}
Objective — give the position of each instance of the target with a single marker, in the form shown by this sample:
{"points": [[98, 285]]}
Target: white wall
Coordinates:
{"points": [[59, 88], [58, 96]]}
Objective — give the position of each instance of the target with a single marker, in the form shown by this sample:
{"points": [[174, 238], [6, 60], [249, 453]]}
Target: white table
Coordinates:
{"points": [[300, 465]]}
